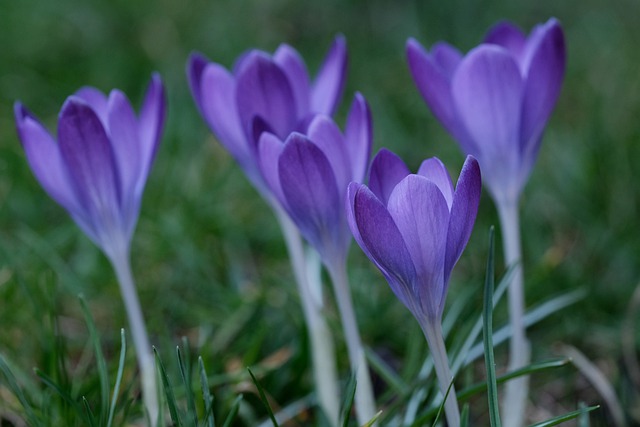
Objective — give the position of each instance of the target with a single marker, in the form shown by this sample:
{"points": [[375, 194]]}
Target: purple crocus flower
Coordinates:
{"points": [[264, 92], [496, 100], [97, 170], [414, 227], [308, 174], [99, 164]]}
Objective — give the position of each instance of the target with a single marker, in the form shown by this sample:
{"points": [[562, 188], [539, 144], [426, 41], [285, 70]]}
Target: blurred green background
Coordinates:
{"points": [[207, 254]]}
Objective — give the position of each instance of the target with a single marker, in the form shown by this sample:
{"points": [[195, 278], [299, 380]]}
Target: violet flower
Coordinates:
{"points": [[97, 171], [414, 229], [496, 100], [264, 93]]}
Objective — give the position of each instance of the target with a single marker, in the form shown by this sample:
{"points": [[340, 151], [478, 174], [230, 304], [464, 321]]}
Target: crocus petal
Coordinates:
{"points": [[542, 87], [269, 150], [264, 90], [195, 68], [446, 57], [326, 135], [487, 90], [86, 150], [124, 135], [97, 100], [328, 85], [435, 171], [309, 188], [221, 112], [358, 135], [44, 158], [463, 213], [508, 36], [387, 170], [434, 86], [377, 234], [152, 118], [420, 211], [294, 67]]}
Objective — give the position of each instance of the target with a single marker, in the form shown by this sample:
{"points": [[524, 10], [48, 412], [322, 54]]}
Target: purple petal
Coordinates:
{"points": [[434, 85], [97, 100], [463, 213], [264, 90], [508, 36], [377, 234], [421, 214], [293, 66], [86, 150], [446, 57], [195, 68], [125, 141], [358, 137], [328, 85], [269, 150], [309, 188], [152, 118], [326, 135], [435, 171], [542, 87], [387, 170], [487, 90], [44, 159], [218, 96]]}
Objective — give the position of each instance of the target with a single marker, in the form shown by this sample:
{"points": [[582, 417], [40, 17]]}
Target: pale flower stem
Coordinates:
{"points": [[306, 272], [517, 390], [144, 353], [433, 333], [364, 398]]}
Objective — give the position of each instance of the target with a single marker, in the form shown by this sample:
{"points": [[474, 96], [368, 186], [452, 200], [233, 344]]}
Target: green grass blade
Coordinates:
{"points": [[494, 413], [186, 379], [116, 389], [350, 394], [394, 381], [235, 407], [209, 419], [583, 419], [263, 397], [49, 382], [566, 417], [103, 372], [90, 416], [441, 407], [17, 391], [373, 420], [464, 416], [168, 390]]}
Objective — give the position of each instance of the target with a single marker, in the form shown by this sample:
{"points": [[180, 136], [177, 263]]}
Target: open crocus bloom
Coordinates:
{"points": [[264, 92], [496, 100], [414, 227], [308, 174], [98, 167]]}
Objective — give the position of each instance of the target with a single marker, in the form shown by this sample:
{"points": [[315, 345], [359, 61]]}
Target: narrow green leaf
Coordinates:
{"points": [[566, 417], [209, 418], [372, 420], [168, 390], [494, 413], [464, 416], [186, 379], [349, 394], [388, 375], [441, 407], [233, 411], [103, 372], [263, 397], [49, 382], [90, 416], [17, 391], [583, 419], [116, 389]]}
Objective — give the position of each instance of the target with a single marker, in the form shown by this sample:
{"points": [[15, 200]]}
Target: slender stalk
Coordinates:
{"points": [[514, 403], [323, 358], [433, 332], [365, 401], [144, 354]]}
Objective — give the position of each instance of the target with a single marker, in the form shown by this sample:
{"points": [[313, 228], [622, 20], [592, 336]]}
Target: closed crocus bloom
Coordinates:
{"points": [[309, 173], [414, 227], [264, 92], [99, 164], [496, 100]]}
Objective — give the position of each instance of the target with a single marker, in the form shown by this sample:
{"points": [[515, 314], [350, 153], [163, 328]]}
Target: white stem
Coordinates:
{"points": [[144, 354], [323, 357], [433, 333], [364, 398], [517, 390]]}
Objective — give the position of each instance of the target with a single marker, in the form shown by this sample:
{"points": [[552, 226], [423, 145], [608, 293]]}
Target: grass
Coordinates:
{"points": [[206, 237]]}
